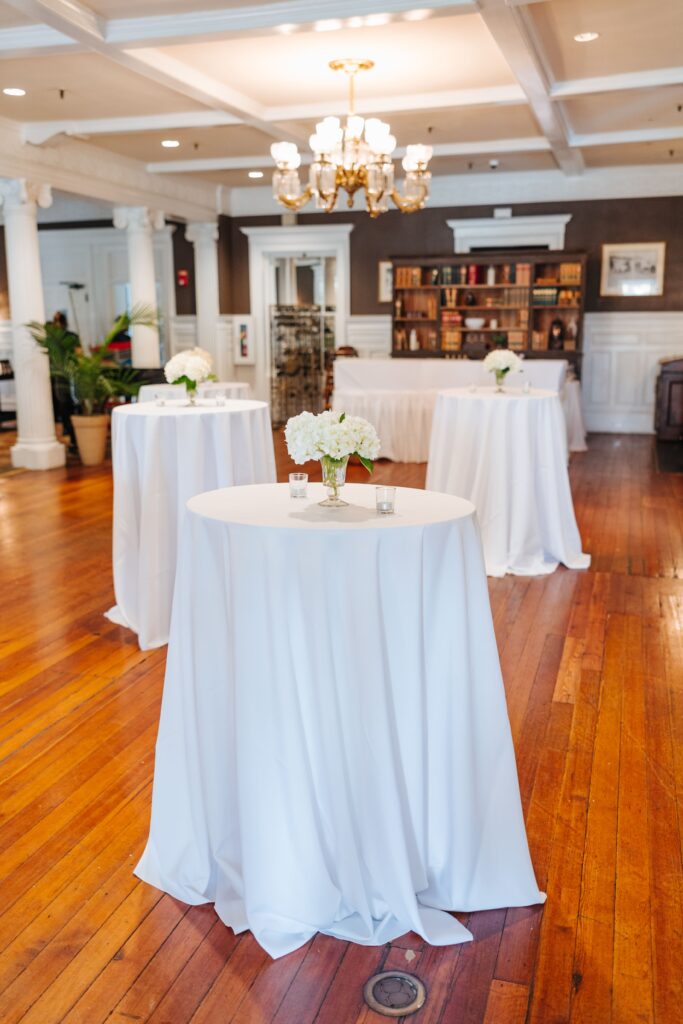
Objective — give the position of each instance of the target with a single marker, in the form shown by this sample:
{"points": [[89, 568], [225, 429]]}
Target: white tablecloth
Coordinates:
{"points": [[334, 752], [163, 455], [507, 453], [398, 396]]}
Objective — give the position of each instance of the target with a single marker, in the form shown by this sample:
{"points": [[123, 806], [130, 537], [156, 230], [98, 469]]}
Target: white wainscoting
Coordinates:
{"points": [[620, 365], [370, 335]]}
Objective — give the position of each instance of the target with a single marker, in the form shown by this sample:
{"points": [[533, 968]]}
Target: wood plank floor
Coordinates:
{"points": [[593, 667]]}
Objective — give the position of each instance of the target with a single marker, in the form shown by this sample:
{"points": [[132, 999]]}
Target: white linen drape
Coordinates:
{"points": [[334, 752], [507, 453], [162, 456]]}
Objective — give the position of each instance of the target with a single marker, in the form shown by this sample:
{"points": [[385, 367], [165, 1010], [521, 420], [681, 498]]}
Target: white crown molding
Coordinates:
{"points": [[502, 187], [493, 95], [85, 170], [652, 79], [38, 132], [623, 137], [259, 18], [233, 163], [477, 232]]}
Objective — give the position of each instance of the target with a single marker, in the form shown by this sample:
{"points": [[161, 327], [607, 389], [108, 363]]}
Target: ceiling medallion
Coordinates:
{"points": [[351, 157]]}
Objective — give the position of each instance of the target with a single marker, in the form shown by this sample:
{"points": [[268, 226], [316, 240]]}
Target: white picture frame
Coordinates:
{"points": [[633, 269], [385, 281], [243, 353]]}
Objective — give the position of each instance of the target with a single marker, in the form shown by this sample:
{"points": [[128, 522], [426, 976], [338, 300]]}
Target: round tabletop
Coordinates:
{"points": [[270, 505], [182, 407], [489, 393]]}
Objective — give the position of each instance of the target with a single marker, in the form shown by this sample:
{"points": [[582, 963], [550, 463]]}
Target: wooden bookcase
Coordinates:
{"points": [[519, 297]]}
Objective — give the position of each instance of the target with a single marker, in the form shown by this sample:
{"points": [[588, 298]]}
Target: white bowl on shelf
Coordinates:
{"points": [[475, 322]]}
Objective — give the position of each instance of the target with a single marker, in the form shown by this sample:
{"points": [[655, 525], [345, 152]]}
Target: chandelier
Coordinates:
{"points": [[352, 157]]}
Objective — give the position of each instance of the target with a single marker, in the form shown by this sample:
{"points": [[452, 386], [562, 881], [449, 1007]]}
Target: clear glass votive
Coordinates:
{"points": [[385, 499], [526, 387], [298, 483]]}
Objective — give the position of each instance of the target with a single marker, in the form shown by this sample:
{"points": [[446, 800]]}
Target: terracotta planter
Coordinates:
{"points": [[91, 437]]}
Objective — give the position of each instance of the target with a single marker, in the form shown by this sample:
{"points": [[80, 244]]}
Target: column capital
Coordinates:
{"points": [[198, 231], [138, 218], [18, 192]]}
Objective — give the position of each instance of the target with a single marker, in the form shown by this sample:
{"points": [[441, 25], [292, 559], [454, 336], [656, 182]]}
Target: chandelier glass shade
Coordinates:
{"points": [[351, 156]]}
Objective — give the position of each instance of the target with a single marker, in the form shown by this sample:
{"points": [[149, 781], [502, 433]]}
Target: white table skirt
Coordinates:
{"points": [[398, 396], [334, 752], [163, 455], [507, 453]]}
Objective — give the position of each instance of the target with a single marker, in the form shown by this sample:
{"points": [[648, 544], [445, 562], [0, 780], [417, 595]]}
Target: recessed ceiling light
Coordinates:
{"points": [[170, 143], [286, 29], [255, 174], [330, 25], [14, 92], [586, 37]]}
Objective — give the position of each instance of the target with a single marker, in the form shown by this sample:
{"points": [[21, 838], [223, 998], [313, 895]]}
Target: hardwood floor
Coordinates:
{"points": [[593, 668]]}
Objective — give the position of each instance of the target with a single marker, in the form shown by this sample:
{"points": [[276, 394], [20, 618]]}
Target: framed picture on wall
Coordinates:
{"points": [[243, 341], [633, 269], [385, 281]]}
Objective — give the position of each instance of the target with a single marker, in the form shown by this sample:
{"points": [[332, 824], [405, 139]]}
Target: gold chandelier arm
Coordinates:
{"points": [[410, 205], [373, 207], [296, 204]]}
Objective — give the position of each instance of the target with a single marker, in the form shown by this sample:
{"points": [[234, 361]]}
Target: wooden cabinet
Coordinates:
{"points": [[466, 305], [669, 401]]}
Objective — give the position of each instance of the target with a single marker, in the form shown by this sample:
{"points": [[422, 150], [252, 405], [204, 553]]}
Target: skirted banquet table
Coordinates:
{"points": [[334, 752], [398, 396], [162, 455], [507, 453]]}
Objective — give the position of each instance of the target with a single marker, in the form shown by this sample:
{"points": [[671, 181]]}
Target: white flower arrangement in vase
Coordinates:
{"points": [[332, 440], [501, 362], [191, 367]]}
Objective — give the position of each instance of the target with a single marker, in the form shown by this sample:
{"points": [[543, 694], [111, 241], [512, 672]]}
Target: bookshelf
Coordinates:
{"points": [[464, 306]]}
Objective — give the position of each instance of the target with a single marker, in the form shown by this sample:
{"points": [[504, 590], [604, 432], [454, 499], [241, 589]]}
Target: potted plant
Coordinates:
{"points": [[94, 379]]}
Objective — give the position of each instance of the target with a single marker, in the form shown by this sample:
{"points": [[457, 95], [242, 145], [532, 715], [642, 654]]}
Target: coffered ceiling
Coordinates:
{"points": [[479, 80]]}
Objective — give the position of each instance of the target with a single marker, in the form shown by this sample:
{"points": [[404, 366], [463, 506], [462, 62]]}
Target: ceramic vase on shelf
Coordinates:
{"points": [[334, 478]]}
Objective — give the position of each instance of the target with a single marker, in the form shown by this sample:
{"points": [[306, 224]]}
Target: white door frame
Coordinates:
{"points": [[268, 242]]}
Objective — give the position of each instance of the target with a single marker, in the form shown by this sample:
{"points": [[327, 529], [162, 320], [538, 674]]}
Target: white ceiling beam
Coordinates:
{"points": [[512, 31], [236, 163], [486, 96], [620, 138], [71, 18], [67, 17], [616, 83], [256, 19], [38, 132]]}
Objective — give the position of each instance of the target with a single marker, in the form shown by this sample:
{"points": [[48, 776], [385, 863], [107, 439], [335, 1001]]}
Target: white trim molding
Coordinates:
{"points": [[509, 232], [620, 366], [269, 242]]}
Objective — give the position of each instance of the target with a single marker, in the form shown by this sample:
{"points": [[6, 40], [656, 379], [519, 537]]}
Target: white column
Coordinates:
{"points": [[37, 446], [204, 236], [139, 223]]}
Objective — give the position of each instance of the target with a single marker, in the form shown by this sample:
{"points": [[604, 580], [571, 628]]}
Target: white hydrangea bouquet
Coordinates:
{"points": [[332, 439], [501, 362], [191, 367]]}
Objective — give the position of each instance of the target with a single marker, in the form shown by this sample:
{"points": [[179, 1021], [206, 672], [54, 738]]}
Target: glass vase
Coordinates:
{"points": [[192, 395], [334, 478], [500, 379]]}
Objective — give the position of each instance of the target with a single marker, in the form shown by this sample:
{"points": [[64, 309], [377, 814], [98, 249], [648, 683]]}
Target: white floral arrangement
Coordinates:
{"points": [[330, 436], [191, 367], [502, 361]]}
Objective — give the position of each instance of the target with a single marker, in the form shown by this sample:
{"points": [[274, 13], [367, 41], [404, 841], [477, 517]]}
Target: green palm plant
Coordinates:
{"points": [[93, 377]]}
